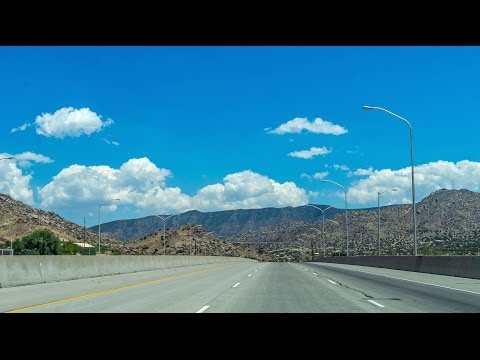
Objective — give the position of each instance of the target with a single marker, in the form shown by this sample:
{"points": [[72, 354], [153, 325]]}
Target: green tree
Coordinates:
{"points": [[39, 242]]}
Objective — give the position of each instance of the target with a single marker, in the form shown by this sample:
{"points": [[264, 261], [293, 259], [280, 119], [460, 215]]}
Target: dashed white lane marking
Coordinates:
{"points": [[202, 309], [250, 274], [306, 269], [256, 270], [418, 282], [236, 284], [333, 282], [314, 273], [375, 303]]}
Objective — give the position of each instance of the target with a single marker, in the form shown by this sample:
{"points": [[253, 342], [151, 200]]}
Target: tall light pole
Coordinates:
{"points": [[414, 216], [346, 207], [323, 223], [99, 206], [378, 194], [11, 240], [165, 219]]}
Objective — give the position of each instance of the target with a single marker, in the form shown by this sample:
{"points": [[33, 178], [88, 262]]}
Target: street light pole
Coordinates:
{"points": [[414, 216], [346, 207], [164, 220], [99, 206], [323, 224]]}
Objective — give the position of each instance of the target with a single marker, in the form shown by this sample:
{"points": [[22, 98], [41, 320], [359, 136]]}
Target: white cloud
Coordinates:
{"points": [[116, 143], [248, 190], [341, 167], [141, 185], [25, 159], [68, 121], [308, 154], [21, 127], [318, 126], [14, 182], [320, 175], [428, 178], [363, 172], [134, 183]]}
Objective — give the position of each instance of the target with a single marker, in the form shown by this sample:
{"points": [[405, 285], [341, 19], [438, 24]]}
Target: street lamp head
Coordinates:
{"points": [[394, 189], [365, 107], [7, 158]]}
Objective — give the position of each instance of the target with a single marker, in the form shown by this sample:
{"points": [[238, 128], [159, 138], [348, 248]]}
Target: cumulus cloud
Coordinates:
{"points": [[25, 159], [90, 185], [21, 127], [318, 126], [308, 154], [248, 190], [428, 178], [140, 184], [13, 182], [67, 121]]}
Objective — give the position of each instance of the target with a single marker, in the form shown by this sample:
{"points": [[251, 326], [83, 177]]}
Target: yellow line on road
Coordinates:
{"points": [[169, 277]]}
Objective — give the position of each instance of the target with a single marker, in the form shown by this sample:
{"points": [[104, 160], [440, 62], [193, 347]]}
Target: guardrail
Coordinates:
{"points": [[6, 252], [461, 266], [34, 269]]}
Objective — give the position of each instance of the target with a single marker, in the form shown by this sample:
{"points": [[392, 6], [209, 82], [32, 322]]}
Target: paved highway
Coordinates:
{"points": [[252, 287]]}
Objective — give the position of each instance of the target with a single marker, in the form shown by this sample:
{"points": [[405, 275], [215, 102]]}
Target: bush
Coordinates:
{"points": [[39, 242]]}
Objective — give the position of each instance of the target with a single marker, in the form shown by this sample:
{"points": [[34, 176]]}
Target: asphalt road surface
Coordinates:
{"points": [[252, 287]]}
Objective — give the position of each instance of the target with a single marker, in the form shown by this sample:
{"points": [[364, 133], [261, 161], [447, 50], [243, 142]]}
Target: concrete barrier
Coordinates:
{"points": [[462, 266], [34, 269]]}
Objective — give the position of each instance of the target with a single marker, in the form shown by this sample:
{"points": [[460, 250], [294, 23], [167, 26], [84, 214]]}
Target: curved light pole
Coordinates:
{"points": [[323, 223], [414, 217], [346, 207], [99, 206], [165, 219], [378, 194], [11, 241]]}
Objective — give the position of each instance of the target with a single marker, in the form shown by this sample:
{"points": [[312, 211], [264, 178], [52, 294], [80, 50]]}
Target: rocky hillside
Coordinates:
{"points": [[448, 222], [18, 219], [191, 239], [223, 223]]}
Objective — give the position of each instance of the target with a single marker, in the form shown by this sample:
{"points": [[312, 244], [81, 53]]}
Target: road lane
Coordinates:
{"points": [[252, 287], [405, 291]]}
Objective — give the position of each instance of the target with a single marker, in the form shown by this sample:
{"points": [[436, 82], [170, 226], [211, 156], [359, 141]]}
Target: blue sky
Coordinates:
{"points": [[170, 129]]}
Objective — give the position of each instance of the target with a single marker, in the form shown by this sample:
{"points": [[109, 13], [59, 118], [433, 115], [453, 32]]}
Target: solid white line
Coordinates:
{"points": [[414, 281], [375, 303], [314, 273], [333, 282], [236, 284], [202, 309], [250, 274]]}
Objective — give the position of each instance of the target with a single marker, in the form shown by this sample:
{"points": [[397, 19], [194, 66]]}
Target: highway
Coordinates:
{"points": [[249, 287]]}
